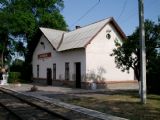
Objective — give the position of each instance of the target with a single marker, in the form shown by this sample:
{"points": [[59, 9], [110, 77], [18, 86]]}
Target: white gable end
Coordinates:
{"points": [[43, 47], [99, 63]]}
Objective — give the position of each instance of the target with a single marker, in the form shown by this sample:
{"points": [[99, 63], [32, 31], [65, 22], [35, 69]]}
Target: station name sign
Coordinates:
{"points": [[44, 55]]}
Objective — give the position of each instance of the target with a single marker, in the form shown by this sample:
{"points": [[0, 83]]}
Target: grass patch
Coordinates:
{"points": [[122, 103]]}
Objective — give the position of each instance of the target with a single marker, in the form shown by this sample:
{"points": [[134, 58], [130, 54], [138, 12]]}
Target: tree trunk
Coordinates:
{"points": [[4, 43], [2, 58], [139, 91], [137, 75]]}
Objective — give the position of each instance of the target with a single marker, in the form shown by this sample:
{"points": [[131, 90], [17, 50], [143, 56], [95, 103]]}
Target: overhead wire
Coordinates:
{"points": [[86, 13], [123, 9], [133, 14]]}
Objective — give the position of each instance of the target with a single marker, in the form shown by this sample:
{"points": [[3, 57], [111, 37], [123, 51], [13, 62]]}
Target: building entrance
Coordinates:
{"points": [[49, 76], [78, 74]]}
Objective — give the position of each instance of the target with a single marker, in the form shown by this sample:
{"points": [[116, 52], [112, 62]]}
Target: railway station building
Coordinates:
{"points": [[80, 57]]}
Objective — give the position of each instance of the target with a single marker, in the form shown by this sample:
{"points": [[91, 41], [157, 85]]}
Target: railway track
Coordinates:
{"points": [[28, 108], [25, 110]]}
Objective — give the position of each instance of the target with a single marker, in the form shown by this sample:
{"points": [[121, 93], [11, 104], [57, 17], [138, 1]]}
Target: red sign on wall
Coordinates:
{"points": [[44, 55]]}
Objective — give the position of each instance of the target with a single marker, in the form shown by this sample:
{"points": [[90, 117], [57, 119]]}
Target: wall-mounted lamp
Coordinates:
{"points": [[42, 43]]}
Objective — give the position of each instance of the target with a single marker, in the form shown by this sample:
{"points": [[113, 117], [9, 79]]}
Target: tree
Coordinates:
{"points": [[19, 22], [47, 14], [153, 77], [17, 65], [127, 55], [15, 20]]}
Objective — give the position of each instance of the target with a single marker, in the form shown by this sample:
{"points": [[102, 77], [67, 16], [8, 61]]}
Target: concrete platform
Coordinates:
{"points": [[55, 89]]}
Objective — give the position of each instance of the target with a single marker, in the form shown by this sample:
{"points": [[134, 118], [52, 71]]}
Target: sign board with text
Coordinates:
{"points": [[44, 55]]}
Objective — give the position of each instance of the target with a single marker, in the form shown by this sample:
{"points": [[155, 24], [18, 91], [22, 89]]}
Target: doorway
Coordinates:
{"points": [[78, 74], [49, 76], [54, 71]]}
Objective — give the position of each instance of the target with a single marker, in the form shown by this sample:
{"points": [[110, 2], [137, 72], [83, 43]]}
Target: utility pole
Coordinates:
{"points": [[142, 52]]}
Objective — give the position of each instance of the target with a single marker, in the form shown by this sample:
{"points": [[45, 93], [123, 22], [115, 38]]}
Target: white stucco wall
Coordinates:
{"points": [[99, 63], [59, 58]]}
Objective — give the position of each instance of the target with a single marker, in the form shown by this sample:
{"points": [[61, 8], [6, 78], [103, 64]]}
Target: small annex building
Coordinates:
{"points": [[79, 57]]}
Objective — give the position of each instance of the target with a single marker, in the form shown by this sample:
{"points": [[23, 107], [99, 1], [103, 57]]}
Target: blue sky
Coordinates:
{"points": [[125, 12]]}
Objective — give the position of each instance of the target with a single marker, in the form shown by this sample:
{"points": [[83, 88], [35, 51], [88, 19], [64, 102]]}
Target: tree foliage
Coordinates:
{"points": [[19, 22], [15, 20], [128, 55]]}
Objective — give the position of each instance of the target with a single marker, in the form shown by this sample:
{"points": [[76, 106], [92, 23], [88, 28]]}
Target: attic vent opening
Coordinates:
{"points": [[42, 43], [108, 36]]}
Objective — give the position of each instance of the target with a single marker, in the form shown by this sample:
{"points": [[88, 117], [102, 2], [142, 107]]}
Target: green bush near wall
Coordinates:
{"points": [[14, 77]]}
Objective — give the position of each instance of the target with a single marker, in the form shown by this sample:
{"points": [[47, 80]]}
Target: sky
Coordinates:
{"points": [[125, 12]]}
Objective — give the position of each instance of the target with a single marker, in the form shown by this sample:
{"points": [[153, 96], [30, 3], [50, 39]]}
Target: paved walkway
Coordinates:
{"points": [[55, 89], [42, 90]]}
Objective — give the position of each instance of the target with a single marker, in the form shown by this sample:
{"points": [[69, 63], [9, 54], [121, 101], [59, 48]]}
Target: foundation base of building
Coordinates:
{"points": [[85, 85]]}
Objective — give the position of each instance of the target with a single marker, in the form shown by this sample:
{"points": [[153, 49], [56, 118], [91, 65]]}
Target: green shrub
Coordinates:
{"points": [[14, 77]]}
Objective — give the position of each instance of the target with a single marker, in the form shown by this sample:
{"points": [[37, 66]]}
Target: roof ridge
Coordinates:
{"points": [[92, 23], [66, 39], [78, 28], [52, 29]]}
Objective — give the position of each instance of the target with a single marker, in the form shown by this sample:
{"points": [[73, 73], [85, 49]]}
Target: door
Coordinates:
{"points": [[67, 71], [78, 74], [54, 71], [37, 71], [49, 76]]}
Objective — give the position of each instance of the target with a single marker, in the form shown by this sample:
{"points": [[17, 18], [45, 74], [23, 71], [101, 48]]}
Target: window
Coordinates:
{"points": [[37, 71], [67, 71], [108, 36], [54, 71]]}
